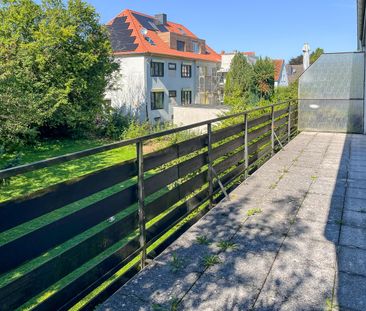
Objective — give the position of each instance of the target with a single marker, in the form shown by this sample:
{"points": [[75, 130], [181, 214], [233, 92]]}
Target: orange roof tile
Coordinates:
{"points": [[278, 64], [139, 45]]}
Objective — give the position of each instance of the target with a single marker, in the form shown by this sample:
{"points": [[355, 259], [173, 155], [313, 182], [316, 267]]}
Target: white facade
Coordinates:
{"points": [[133, 85], [283, 80]]}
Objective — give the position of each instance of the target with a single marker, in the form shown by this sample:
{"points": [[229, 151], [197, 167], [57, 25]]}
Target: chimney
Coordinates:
{"points": [[306, 56], [161, 19]]}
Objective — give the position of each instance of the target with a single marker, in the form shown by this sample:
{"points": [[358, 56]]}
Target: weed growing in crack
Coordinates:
{"points": [[203, 240], [329, 305], [339, 222], [211, 260], [176, 263], [273, 186], [314, 178], [292, 220], [253, 211], [225, 245]]}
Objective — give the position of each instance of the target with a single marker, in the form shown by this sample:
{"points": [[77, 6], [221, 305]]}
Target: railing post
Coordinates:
{"points": [[209, 172], [246, 156], [289, 123], [141, 201], [272, 130]]}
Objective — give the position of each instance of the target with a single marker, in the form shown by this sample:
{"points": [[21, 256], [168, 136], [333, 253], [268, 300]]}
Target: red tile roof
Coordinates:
{"points": [[278, 64], [138, 44]]}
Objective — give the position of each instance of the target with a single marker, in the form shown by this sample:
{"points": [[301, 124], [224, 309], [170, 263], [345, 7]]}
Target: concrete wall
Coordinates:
{"points": [[184, 115]]}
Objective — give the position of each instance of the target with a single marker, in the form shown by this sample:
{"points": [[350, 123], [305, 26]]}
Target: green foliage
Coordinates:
{"points": [[315, 55], [239, 82], [136, 129], [211, 260], [203, 240], [176, 263], [298, 60], [114, 124], [253, 211], [55, 65], [246, 84], [225, 245], [264, 72]]}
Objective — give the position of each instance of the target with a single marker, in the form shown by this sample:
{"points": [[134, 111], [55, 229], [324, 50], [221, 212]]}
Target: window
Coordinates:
{"points": [[172, 93], [157, 100], [196, 47], [186, 97], [148, 39], [182, 31], [157, 69], [181, 45], [172, 66], [186, 71]]}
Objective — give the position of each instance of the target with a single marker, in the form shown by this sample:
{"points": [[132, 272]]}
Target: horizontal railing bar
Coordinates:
{"points": [[6, 173]]}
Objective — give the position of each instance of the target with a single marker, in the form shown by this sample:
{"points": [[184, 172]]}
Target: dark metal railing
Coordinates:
{"points": [[225, 154]]}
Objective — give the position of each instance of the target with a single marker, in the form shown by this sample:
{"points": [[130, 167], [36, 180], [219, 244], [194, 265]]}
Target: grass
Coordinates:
{"points": [[176, 263], [33, 181], [253, 211], [203, 240], [211, 260], [225, 245]]}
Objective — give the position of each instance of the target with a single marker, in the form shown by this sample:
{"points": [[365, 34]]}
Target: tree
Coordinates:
{"points": [[263, 78], [296, 60], [57, 58], [315, 55], [239, 82]]}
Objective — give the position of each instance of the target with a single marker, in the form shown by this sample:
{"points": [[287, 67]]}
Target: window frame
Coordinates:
{"points": [[156, 69], [182, 93], [172, 66], [186, 74], [195, 43], [172, 94], [153, 99], [183, 45]]}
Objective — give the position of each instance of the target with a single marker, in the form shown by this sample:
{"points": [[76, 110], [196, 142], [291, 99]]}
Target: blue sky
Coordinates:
{"points": [[274, 28]]}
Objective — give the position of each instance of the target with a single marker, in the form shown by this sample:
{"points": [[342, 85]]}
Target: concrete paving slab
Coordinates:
{"points": [[355, 219], [352, 204], [350, 292], [321, 208], [352, 236], [352, 260], [296, 286], [357, 193], [310, 230]]}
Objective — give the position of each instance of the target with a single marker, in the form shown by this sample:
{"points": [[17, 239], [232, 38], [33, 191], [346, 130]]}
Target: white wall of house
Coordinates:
{"points": [[128, 89], [132, 86], [172, 81], [283, 79]]}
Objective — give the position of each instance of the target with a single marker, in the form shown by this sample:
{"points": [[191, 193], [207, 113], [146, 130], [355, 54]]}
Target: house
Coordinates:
{"points": [[294, 72], [162, 64], [281, 78]]}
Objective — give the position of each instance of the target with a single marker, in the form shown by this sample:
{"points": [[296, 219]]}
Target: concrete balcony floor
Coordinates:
{"points": [[294, 233]]}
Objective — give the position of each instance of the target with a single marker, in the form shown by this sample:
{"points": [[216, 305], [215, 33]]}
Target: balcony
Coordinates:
{"points": [[248, 214]]}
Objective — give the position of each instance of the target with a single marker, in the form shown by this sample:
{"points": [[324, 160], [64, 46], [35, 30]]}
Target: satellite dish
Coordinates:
{"points": [[143, 31]]}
